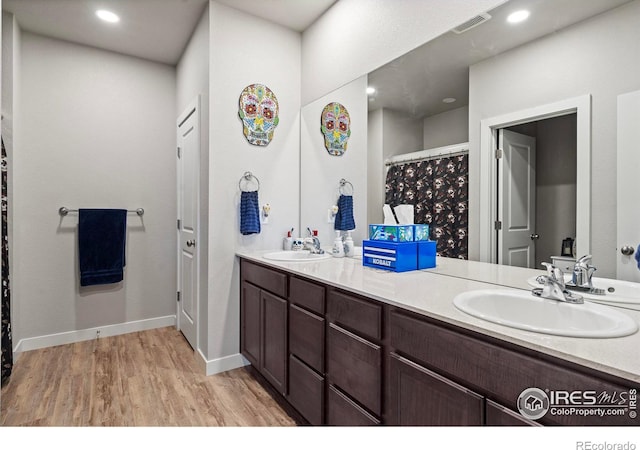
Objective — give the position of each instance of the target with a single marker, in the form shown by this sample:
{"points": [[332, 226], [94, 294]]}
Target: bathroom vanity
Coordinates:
{"points": [[345, 344]]}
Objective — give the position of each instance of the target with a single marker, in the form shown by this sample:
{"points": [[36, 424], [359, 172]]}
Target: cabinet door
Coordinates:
{"points": [[421, 397], [274, 340], [250, 323]]}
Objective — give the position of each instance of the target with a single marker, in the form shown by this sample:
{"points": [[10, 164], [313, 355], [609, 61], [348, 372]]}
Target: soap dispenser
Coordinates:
{"points": [[348, 245], [338, 247]]}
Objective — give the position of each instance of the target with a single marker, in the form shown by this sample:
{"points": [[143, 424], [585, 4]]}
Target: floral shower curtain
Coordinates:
{"points": [[438, 189], [7, 354]]}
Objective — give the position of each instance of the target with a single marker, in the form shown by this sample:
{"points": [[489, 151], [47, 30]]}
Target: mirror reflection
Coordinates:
{"points": [[543, 91]]}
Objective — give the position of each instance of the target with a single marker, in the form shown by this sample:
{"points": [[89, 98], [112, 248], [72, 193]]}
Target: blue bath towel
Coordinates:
{"points": [[249, 213], [101, 245], [344, 218], [638, 256]]}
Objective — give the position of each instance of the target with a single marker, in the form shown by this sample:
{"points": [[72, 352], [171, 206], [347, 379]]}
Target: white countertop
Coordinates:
{"points": [[430, 292]]}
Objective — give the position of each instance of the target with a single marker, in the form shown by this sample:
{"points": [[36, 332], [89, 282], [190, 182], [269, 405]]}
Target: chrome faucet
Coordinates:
{"points": [[582, 273], [554, 287], [312, 243]]}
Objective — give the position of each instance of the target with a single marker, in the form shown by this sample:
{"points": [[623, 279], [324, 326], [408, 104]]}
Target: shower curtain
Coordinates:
{"points": [[438, 189], [7, 354]]}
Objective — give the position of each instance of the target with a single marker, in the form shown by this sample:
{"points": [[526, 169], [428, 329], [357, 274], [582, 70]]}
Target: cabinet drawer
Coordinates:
{"points": [[420, 397], [495, 371], [306, 337], [354, 364], [306, 294], [357, 314], [267, 279], [498, 415], [341, 410], [306, 391]]}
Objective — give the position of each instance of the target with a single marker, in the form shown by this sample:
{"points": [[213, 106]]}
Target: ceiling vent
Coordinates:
{"points": [[473, 22]]}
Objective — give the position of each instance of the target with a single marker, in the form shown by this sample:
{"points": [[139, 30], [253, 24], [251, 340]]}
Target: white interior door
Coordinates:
{"points": [[188, 255], [627, 180], [517, 199]]}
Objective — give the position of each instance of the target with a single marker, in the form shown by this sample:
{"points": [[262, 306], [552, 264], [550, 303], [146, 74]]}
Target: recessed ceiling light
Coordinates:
{"points": [[448, 100], [107, 16], [518, 16], [371, 90]]}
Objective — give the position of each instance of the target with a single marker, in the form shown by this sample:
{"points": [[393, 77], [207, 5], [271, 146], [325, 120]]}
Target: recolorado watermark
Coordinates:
{"points": [[588, 445], [534, 403]]}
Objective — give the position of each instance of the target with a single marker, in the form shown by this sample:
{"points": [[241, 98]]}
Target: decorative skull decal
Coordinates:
{"points": [[258, 110], [336, 127]]}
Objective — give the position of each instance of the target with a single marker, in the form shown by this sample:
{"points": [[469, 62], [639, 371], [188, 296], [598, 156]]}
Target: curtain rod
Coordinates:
{"points": [[427, 158]]}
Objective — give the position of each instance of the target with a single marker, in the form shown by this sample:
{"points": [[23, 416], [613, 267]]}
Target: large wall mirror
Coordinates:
{"points": [[544, 91]]}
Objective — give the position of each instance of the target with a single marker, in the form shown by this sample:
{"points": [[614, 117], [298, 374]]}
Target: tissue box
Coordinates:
{"points": [[420, 232], [394, 256], [392, 233], [426, 254]]}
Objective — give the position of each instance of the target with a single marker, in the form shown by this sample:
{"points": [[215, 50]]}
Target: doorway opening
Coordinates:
{"points": [[490, 128], [536, 192]]}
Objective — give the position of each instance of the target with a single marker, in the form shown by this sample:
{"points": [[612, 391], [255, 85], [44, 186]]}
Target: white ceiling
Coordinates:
{"points": [[152, 29], [417, 82]]}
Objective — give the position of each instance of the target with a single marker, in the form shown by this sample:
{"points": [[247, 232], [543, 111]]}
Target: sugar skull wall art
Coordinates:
{"points": [[336, 127], [258, 110]]}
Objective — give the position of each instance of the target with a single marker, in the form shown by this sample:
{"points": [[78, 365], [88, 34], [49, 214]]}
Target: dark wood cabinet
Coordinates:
{"points": [[354, 359], [250, 330], [342, 359], [264, 324], [274, 341], [419, 396]]}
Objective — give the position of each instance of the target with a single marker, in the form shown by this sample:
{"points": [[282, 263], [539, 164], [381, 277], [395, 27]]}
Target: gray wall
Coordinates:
{"points": [[447, 128], [96, 130], [357, 36], [597, 57]]}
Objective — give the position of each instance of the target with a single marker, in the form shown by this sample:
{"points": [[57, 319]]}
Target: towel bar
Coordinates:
{"points": [[63, 211]]}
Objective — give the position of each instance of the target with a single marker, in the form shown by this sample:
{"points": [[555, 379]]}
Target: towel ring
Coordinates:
{"points": [[248, 176], [342, 189]]}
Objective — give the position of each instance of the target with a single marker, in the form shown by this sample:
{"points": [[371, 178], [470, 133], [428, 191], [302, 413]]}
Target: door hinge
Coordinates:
{"points": [[498, 225], [178, 296], [178, 223], [178, 152], [498, 153]]}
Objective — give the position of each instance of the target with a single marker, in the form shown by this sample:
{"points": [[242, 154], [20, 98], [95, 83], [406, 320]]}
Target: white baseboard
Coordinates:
{"points": [[218, 365], [70, 337]]}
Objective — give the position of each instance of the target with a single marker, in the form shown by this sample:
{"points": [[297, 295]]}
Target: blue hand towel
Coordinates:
{"points": [[638, 256], [249, 213], [101, 245], [344, 218]]}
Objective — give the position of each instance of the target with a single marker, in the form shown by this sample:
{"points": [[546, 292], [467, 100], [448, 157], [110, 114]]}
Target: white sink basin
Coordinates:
{"points": [[522, 310], [296, 255], [624, 294]]}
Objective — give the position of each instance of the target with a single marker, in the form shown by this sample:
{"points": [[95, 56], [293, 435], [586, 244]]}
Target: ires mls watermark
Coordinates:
{"points": [[534, 403]]}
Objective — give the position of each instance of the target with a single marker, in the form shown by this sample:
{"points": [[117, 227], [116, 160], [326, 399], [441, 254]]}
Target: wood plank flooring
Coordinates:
{"points": [[149, 378]]}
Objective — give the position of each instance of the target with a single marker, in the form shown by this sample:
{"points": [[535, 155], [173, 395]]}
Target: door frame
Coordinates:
{"points": [[195, 106], [489, 127]]}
